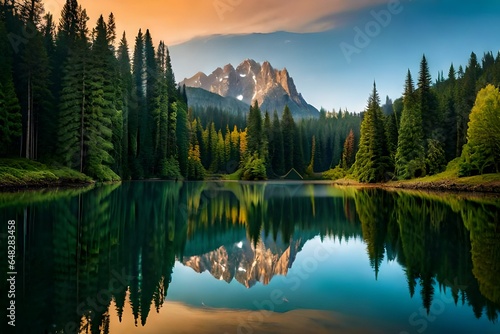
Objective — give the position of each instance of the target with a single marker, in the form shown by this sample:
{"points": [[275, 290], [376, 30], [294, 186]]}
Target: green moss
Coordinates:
{"points": [[24, 172], [235, 176]]}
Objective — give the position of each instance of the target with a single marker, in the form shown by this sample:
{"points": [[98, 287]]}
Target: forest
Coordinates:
{"points": [[74, 94]]}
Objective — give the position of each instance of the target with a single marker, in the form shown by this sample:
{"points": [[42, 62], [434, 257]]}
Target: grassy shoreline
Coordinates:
{"points": [[443, 182], [24, 174]]}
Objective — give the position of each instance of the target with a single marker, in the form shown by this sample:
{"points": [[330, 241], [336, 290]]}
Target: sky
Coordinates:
{"points": [[333, 49]]}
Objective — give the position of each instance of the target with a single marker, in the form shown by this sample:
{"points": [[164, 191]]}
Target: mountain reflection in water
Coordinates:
{"points": [[93, 258]]}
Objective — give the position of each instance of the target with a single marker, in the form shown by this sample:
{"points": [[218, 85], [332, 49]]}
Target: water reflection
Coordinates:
{"points": [[89, 255]]}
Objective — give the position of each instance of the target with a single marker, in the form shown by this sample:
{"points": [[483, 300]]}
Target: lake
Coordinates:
{"points": [[270, 257]]}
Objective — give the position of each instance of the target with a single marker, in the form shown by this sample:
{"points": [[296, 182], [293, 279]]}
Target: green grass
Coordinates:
{"points": [[236, 176], [451, 175], [446, 180], [21, 172]]}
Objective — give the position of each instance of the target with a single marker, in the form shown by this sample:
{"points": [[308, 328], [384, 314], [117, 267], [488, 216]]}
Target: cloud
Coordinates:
{"points": [[178, 21]]}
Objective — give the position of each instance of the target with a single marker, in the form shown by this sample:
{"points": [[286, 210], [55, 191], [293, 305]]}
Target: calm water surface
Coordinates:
{"points": [[172, 257]]}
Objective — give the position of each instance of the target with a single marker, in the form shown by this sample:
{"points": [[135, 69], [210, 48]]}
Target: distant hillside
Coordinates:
{"points": [[201, 98]]}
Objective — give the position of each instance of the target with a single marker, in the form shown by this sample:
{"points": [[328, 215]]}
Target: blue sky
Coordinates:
{"points": [[445, 31]]}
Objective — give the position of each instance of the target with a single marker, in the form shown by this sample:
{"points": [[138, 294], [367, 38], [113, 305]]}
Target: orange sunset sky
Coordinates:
{"points": [[178, 21], [308, 37]]}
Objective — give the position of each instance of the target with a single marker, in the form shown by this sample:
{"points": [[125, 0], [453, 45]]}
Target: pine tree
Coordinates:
{"points": [[268, 145], [348, 154], [372, 159], [147, 114], [277, 162], [101, 119], [182, 133], [466, 97], [137, 106], [235, 147], [31, 12], [435, 161], [195, 169], [10, 110], [87, 106], [111, 32], [73, 98], [288, 130], [427, 102], [409, 161], [10, 118], [298, 150], [161, 122], [36, 98], [126, 93], [254, 130], [310, 167], [391, 130], [450, 120], [68, 34]]}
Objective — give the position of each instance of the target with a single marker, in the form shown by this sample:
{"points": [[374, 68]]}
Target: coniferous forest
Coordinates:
{"points": [[79, 94]]}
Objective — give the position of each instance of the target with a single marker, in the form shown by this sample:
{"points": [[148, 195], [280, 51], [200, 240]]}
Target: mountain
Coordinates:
{"points": [[272, 88], [247, 262]]}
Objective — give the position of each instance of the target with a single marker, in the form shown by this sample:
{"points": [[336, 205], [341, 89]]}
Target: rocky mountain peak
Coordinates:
{"points": [[250, 81], [246, 262]]}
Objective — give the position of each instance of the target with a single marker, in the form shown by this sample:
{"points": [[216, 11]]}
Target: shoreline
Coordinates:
{"points": [[60, 184], [443, 186]]}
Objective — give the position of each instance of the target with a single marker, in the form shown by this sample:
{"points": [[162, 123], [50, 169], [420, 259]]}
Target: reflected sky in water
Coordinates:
{"points": [[255, 257]]}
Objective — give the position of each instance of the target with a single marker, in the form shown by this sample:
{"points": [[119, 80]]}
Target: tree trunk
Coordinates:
{"points": [[28, 122]]}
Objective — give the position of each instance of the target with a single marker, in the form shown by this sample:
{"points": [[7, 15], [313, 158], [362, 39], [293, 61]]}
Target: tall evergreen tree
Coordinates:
{"points": [[466, 97], [31, 12], [36, 100], [126, 94], [372, 159], [409, 161], [87, 105], [73, 97], [277, 161], [449, 107], [147, 114], [298, 149], [104, 123], [161, 122], [68, 34], [182, 133], [137, 107], [10, 110], [348, 154], [255, 133], [288, 130], [391, 129], [427, 103], [268, 144]]}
